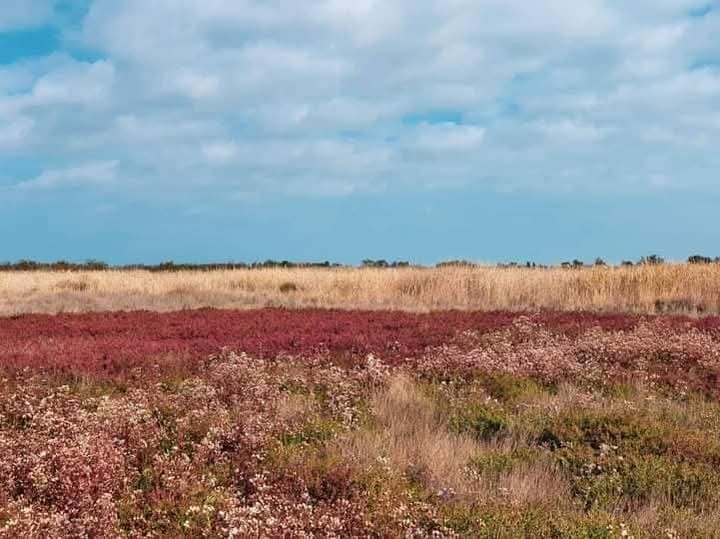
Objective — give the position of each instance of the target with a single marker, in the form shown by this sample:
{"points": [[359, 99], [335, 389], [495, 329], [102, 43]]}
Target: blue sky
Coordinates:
{"points": [[490, 130]]}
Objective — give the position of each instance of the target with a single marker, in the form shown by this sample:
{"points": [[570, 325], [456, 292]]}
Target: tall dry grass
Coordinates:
{"points": [[411, 435], [676, 288]]}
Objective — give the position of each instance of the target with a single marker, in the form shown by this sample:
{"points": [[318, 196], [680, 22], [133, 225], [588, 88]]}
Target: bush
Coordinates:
{"points": [[480, 422], [288, 287]]}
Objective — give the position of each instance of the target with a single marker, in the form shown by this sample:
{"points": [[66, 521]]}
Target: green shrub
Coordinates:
{"points": [[479, 421], [510, 389]]}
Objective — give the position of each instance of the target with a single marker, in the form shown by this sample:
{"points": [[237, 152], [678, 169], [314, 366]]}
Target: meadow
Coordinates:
{"points": [[646, 289], [461, 402]]}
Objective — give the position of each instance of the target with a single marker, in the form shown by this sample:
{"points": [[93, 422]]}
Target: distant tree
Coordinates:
{"points": [[96, 265], [578, 263], [27, 265], [369, 263], [697, 259], [651, 260], [600, 262], [627, 263]]}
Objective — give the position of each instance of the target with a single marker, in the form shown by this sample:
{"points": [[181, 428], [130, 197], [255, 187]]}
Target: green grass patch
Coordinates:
{"points": [[626, 431], [317, 431], [504, 522], [495, 464], [481, 421], [629, 482], [513, 389]]}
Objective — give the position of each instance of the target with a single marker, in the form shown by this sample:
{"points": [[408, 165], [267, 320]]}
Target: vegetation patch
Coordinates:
{"points": [[513, 430], [481, 421]]}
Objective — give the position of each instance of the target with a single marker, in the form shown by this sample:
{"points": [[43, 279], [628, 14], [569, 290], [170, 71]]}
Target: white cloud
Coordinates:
{"points": [[194, 85], [95, 174], [569, 132], [277, 95], [447, 137], [220, 153], [15, 132], [75, 82], [21, 14]]}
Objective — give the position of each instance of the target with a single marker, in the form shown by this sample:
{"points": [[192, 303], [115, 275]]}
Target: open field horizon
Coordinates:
{"points": [[692, 289]]}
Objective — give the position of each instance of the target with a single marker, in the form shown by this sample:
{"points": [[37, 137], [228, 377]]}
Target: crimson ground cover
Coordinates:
{"points": [[121, 340], [673, 351]]}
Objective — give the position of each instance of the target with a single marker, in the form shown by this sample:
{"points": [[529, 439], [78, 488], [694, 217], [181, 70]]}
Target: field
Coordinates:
{"points": [[646, 289], [460, 403]]}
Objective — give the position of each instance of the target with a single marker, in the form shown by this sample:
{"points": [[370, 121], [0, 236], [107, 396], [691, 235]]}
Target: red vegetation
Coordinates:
{"points": [[114, 342], [110, 341]]}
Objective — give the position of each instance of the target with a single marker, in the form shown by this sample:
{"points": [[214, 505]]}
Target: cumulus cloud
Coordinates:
{"points": [[75, 82], [85, 175], [285, 96]]}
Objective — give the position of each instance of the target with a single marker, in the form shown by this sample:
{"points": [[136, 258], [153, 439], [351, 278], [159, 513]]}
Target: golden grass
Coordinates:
{"points": [[412, 436], [675, 288]]}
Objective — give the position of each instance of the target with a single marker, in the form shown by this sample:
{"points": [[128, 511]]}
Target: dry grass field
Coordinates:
{"points": [[674, 288]]}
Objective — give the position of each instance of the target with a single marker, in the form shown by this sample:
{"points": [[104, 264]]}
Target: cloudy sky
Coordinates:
{"points": [[493, 130]]}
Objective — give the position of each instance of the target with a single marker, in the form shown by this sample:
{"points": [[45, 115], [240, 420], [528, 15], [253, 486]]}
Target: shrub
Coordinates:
{"points": [[288, 287], [479, 421], [73, 285]]}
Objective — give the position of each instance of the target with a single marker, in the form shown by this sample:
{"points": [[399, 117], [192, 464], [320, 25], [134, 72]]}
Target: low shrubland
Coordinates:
{"points": [[519, 427]]}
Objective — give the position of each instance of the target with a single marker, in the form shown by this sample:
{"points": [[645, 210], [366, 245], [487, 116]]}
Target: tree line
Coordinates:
{"points": [[170, 266]]}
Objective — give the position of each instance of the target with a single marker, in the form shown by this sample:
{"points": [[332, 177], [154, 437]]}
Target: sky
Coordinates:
{"points": [[421, 130]]}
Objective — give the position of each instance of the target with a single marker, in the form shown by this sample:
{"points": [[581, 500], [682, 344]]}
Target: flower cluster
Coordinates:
{"points": [[654, 352]]}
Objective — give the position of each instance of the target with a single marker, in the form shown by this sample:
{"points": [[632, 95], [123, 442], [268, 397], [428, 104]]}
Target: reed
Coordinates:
{"points": [[673, 288]]}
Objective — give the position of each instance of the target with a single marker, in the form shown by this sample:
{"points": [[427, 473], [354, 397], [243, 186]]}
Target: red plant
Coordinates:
{"points": [[116, 342]]}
